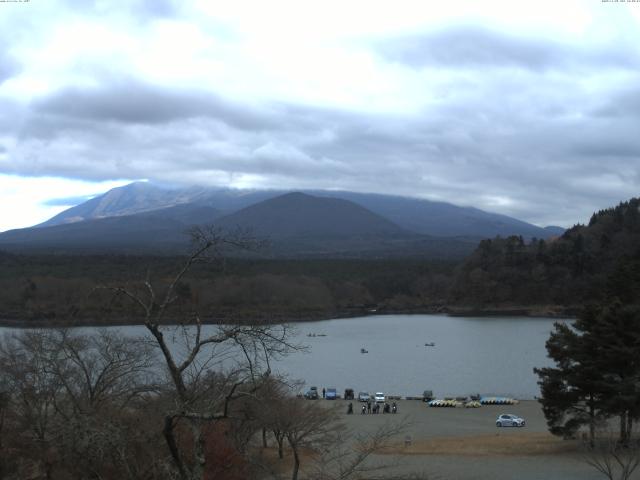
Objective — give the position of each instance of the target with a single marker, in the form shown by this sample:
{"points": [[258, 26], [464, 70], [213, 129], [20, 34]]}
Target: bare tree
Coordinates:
{"points": [[305, 425], [240, 354], [70, 403], [349, 455], [268, 410], [31, 395], [615, 460], [4, 455], [103, 378], [103, 369], [336, 453]]}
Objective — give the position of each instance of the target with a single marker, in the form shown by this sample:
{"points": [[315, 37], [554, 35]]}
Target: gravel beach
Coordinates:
{"points": [[465, 444]]}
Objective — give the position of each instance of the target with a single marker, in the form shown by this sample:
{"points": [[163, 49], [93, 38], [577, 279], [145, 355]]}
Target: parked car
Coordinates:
{"points": [[427, 395], [348, 394], [312, 393], [331, 394], [364, 397], [509, 420], [379, 397]]}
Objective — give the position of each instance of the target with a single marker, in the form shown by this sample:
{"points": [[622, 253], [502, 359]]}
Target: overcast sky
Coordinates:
{"points": [[531, 109]]}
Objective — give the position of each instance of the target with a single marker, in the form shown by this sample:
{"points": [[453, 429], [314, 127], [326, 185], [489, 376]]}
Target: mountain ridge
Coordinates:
{"points": [[412, 214], [296, 224]]}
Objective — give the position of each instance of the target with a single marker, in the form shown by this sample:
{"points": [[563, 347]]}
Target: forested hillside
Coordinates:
{"points": [[576, 268], [59, 289]]}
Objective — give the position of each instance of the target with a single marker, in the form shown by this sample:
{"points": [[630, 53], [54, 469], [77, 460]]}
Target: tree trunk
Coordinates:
{"points": [[623, 428], [167, 431], [296, 463], [47, 470], [280, 441], [592, 424], [197, 471]]}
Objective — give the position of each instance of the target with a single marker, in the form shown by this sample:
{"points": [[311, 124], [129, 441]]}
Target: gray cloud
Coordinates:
{"points": [[135, 102], [624, 103], [473, 46], [549, 143], [511, 158]]}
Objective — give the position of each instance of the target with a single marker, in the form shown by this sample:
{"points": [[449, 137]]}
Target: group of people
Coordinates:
{"points": [[374, 408]]}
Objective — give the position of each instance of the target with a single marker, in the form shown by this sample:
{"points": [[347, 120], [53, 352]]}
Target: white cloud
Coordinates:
{"points": [[24, 199]]}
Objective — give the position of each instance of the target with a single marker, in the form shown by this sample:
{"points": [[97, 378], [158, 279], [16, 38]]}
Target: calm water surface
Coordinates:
{"points": [[487, 355], [494, 355]]}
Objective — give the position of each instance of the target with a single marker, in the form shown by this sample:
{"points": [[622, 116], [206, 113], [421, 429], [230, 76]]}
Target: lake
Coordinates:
{"points": [[486, 355]]}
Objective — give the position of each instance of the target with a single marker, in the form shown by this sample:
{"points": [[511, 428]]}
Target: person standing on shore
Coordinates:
{"points": [[323, 392], [369, 406]]}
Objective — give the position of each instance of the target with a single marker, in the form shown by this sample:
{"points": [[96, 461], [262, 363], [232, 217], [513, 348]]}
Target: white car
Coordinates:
{"points": [[509, 420], [379, 397]]}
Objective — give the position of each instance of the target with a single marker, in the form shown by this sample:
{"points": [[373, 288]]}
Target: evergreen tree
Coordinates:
{"points": [[597, 373], [617, 327], [571, 393]]}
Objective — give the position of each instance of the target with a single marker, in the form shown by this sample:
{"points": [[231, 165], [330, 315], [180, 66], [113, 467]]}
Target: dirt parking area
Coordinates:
{"points": [[465, 444]]}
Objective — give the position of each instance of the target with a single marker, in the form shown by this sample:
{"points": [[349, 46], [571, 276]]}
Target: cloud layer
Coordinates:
{"points": [[542, 127]]}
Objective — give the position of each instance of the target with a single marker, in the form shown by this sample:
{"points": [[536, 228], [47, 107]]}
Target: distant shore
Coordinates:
{"points": [[560, 312]]}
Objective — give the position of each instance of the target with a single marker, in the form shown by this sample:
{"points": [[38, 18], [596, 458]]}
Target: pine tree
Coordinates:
{"points": [[597, 373], [571, 392]]}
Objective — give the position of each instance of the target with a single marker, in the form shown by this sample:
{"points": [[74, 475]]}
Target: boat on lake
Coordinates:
{"points": [[430, 344], [364, 350]]}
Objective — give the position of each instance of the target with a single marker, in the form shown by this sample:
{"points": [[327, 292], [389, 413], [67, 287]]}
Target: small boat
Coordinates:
{"points": [[430, 344], [364, 350]]}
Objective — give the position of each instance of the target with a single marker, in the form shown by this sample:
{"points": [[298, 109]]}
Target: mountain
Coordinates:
{"points": [[301, 215], [158, 231], [143, 217], [295, 224], [142, 197], [443, 219], [412, 214], [127, 200], [302, 225]]}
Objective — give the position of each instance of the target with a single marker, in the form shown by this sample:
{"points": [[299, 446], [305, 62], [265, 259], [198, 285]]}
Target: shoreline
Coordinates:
{"points": [[559, 312]]}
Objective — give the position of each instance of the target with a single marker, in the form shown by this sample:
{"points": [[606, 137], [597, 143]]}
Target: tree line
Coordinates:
{"points": [[569, 271], [60, 290]]}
